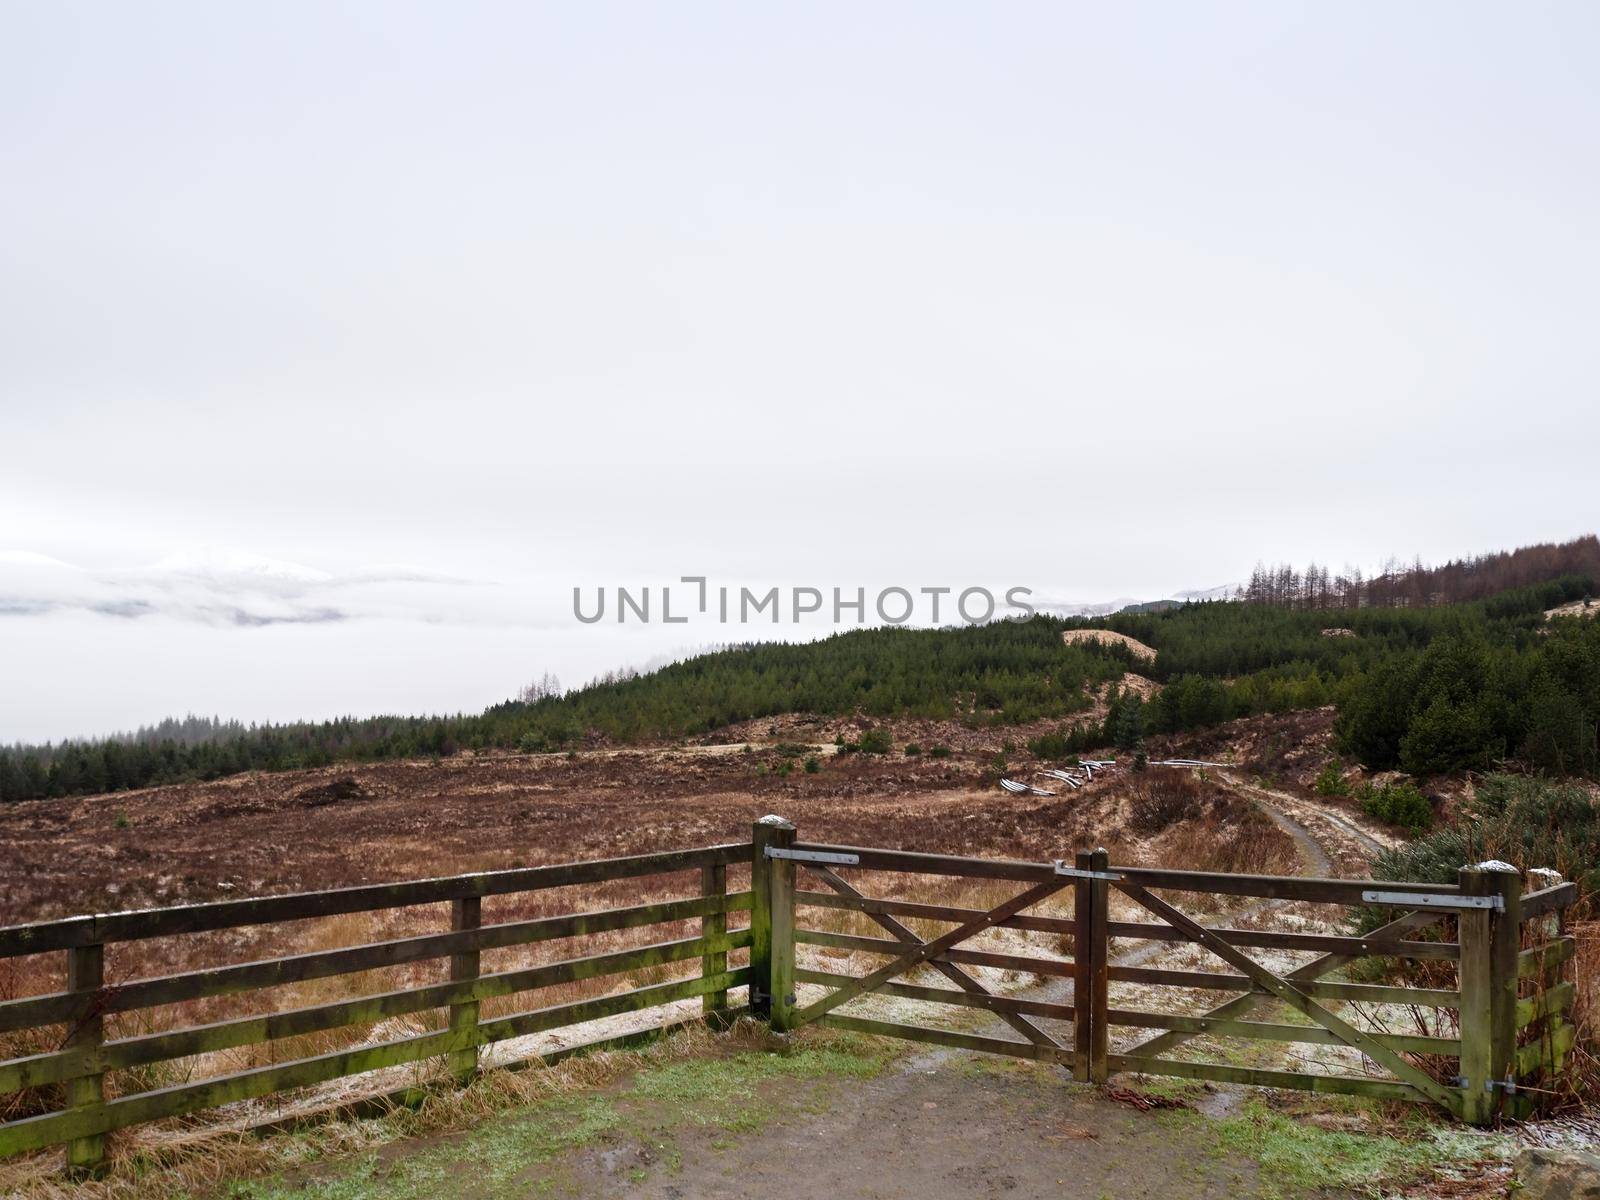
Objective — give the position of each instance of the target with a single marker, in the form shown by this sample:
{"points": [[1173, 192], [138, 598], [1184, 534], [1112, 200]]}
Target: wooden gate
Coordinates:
{"points": [[1504, 993]]}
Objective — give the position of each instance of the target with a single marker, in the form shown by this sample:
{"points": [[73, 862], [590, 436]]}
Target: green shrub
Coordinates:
{"points": [[1331, 781], [912, 749], [812, 765], [876, 741], [1126, 721], [1398, 804], [1525, 821], [1070, 742], [940, 751]]}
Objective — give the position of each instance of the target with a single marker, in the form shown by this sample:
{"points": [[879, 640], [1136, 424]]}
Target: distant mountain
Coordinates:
{"points": [[1226, 591]]}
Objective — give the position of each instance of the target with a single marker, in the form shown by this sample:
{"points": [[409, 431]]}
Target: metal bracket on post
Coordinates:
{"points": [[1508, 1085], [1077, 873], [1432, 900], [812, 856]]}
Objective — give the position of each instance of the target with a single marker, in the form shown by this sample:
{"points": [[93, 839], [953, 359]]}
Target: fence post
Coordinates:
{"points": [[714, 885], [1082, 968], [771, 924], [1505, 940], [1488, 988], [86, 1156], [465, 913], [1099, 948]]}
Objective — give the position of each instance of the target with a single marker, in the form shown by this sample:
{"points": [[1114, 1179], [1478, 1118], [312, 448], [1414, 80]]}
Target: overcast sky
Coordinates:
{"points": [[338, 343]]}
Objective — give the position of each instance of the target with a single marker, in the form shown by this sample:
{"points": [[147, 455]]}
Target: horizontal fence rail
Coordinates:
{"points": [[82, 1114]]}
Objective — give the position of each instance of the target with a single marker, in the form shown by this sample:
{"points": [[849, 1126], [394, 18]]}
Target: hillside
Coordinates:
{"points": [[1428, 689]]}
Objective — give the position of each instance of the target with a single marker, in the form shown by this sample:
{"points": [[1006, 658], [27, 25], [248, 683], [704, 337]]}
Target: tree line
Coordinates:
{"points": [[1427, 688], [1398, 585], [1002, 673]]}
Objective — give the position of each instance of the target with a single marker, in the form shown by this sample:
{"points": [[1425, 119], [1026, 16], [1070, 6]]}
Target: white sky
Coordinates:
{"points": [[1104, 300]]}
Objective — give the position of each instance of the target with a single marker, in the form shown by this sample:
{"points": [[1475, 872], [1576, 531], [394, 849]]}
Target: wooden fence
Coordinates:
{"points": [[78, 1069], [1509, 1000]]}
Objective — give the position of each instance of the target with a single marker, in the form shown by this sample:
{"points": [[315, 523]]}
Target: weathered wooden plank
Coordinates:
{"points": [[1275, 1032], [86, 1156], [61, 1007], [714, 883], [228, 914], [949, 1037], [875, 859], [1477, 983], [1369, 993], [780, 882], [1099, 951], [1276, 887], [1052, 967], [1551, 1000], [1545, 900], [41, 1069], [1083, 926], [1505, 939], [912, 955], [560, 1016], [1290, 994], [466, 913], [950, 971], [932, 912], [1534, 962], [768, 831], [1270, 939], [936, 995], [1283, 887], [1376, 994], [1546, 1051], [1337, 1085]]}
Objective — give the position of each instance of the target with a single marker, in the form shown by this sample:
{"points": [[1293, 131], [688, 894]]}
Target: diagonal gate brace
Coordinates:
{"points": [[1029, 1030], [1289, 994], [927, 951], [1324, 964]]}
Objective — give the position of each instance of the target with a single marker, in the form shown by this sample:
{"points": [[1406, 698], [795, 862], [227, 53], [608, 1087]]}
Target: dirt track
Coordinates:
{"points": [[935, 1128]]}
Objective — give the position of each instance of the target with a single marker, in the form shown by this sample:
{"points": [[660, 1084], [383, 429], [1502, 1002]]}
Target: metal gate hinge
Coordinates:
{"points": [[1073, 872], [1432, 900], [815, 856], [1508, 1085]]}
